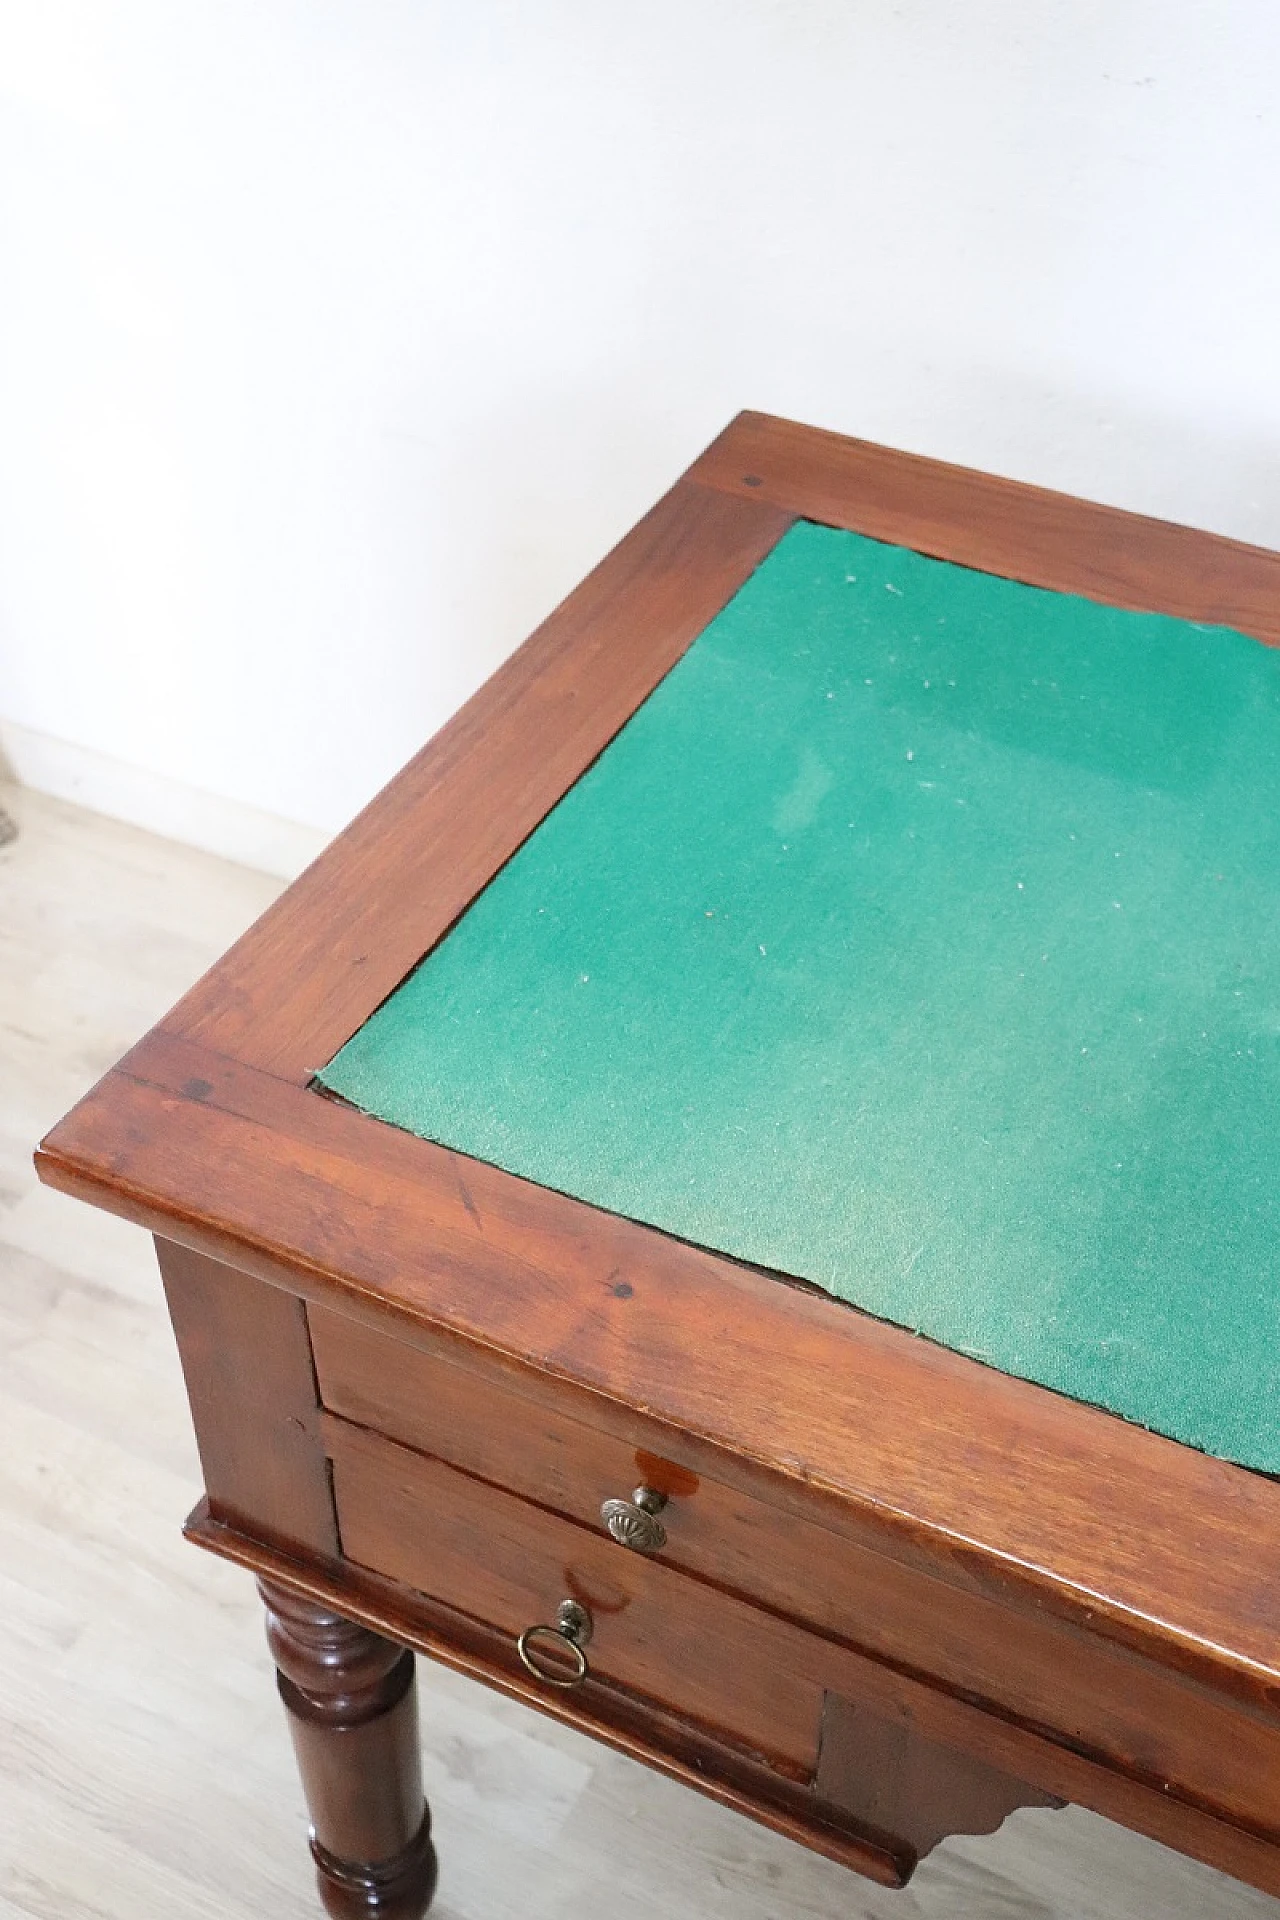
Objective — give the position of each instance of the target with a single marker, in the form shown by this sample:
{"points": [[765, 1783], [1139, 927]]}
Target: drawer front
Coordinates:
{"points": [[696, 1652], [1086, 1694]]}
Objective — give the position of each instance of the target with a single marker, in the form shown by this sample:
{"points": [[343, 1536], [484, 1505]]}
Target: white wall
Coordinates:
{"points": [[339, 337]]}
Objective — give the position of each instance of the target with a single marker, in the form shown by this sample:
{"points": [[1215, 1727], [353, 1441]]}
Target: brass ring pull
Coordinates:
{"points": [[572, 1630]]}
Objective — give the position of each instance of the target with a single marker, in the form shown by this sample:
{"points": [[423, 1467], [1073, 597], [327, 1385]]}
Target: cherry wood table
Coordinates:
{"points": [[891, 1595]]}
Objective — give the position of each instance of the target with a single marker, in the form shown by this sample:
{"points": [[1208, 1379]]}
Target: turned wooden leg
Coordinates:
{"points": [[353, 1716]]}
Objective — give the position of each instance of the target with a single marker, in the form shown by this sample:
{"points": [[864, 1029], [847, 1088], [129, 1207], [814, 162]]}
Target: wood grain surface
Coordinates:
{"points": [[246, 1358], [510, 1564], [879, 1770], [997, 526]]}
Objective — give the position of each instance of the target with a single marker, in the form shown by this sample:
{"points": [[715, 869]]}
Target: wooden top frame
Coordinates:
{"points": [[209, 1133]]}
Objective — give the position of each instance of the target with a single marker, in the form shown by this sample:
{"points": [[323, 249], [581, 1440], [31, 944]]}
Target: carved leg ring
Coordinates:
{"points": [[353, 1716]]}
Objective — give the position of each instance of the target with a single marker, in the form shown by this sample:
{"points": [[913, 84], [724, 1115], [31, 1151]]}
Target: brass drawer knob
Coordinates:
{"points": [[632, 1522], [573, 1630]]}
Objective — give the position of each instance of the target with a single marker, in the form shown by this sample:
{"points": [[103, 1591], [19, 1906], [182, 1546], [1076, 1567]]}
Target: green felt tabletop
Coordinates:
{"points": [[919, 936]]}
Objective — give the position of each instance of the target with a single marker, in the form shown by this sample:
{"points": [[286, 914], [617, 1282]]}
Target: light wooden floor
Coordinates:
{"points": [[144, 1764]]}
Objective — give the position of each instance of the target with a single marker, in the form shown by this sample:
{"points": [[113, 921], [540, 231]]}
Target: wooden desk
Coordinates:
{"points": [[872, 1592]]}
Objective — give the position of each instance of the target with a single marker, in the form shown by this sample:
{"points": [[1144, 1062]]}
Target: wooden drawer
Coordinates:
{"points": [[1084, 1694], [697, 1652]]}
